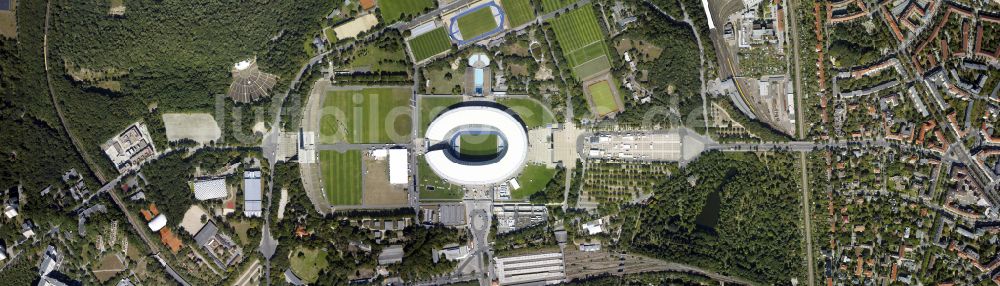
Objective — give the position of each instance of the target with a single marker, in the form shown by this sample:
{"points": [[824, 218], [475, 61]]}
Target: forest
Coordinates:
{"points": [[736, 213], [176, 55]]}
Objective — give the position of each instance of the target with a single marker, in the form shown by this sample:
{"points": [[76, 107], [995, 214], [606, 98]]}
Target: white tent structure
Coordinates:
{"points": [[399, 169]]}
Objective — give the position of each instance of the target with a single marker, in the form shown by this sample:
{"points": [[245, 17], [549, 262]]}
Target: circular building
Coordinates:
{"points": [[476, 145]]}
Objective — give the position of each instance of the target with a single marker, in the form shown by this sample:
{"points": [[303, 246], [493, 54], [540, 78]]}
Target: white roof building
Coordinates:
{"points": [[3, 253], [536, 269], [10, 211], [157, 223], [456, 253], [447, 125], [593, 227], [252, 194], [210, 189], [399, 169]]}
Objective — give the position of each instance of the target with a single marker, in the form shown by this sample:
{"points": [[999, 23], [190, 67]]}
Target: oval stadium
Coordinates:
{"points": [[476, 145]]}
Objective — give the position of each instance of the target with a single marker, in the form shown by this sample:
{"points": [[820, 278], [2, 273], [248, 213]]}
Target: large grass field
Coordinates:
{"points": [[518, 12], [582, 41], [552, 5], [532, 179], [604, 98], [393, 10], [442, 190], [341, 173], [476, 23], [371, 115], [477, 144], [379, 58], [533, 113], [431, 107], [307, 263], [429, 44]]}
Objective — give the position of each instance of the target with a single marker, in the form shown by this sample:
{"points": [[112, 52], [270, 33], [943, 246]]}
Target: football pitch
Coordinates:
{"points": [[429, 44], [476, 23], [603, 97], [341, 173], [370, 115], [477, 145], [582, 41], [518, 12]]}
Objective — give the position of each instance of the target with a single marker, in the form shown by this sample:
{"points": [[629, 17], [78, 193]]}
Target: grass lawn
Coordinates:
{"points": [[308, 263], [552, 5], [476, 23], [478, 144], [241, 228], [534, 113], [341, 174], [439, 82], [378, 59], [582, 40], [429, 44], [518, 11], [604, 99], [431, 107], [330, 34], [532, 179], [371, 115], [393, 10], [442, 189]]}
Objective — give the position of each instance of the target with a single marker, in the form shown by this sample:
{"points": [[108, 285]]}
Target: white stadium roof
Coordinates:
{"points": [[466, 173], [210, 189]]}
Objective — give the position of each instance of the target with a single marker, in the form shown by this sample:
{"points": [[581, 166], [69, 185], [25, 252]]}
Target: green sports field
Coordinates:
{"points": [[518, 12], [604, 98], [429, 44], [431, 107], [371, 115], [533, 113], [477, 145], [476, 23], [393, 10], [582, 41], [341, 174]]}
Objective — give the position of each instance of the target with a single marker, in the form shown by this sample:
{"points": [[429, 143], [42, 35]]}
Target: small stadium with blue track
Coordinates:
{"points": [[498, 15]]}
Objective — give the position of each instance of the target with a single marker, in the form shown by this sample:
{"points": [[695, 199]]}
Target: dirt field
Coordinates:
{"points": [[191, 222], [200, 127], [8, 21], [355, 27], [378, 192]]}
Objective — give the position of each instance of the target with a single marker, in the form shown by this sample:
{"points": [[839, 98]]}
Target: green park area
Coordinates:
{"points": [[433, 187], [603, 98], [582, 42], [532, 179], [552, 5], [476, 23], [518, 12], [394, 10], [307, 263], [341, 173], [371, 115], [533, 113], [477, 145], [429, 44], [432, 106]]}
